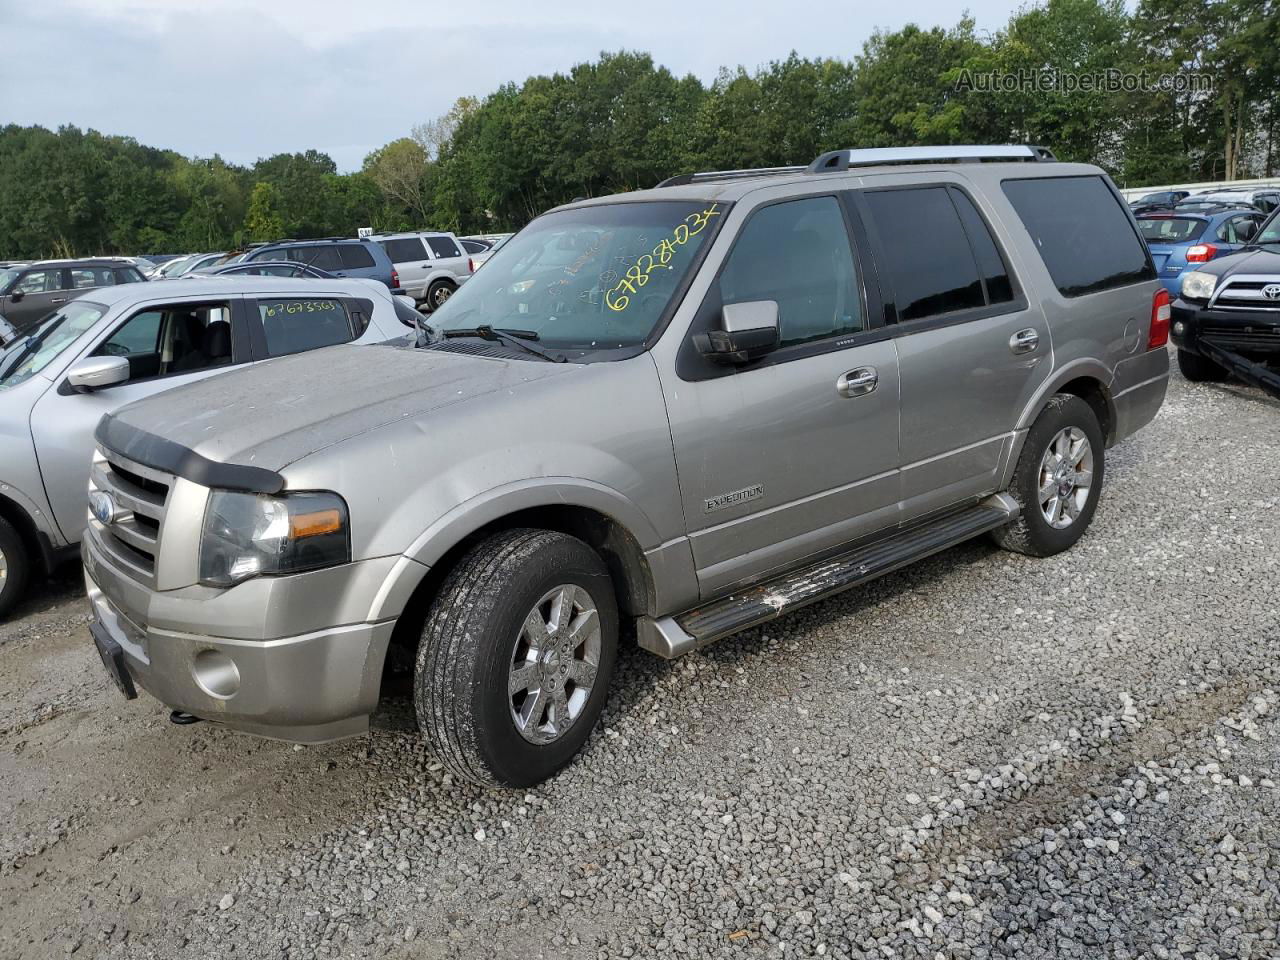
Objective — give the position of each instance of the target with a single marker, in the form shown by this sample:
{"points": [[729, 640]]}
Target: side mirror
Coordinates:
{"points": [[748, 332], [93, 373], [17, 296]]}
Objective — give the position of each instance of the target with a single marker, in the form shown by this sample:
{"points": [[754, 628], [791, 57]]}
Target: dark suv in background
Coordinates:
{"points": [[29, 292], [339, 256]]}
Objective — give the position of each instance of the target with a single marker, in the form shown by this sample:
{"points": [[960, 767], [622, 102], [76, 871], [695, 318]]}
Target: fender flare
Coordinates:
{"points": [[1084, 367], [476, 512], [39, 516]]}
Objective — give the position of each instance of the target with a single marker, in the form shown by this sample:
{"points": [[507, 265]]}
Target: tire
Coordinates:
{"points": [[1200, 369], [438, 293], [1032, 533], [15, 567], [477, 632]]}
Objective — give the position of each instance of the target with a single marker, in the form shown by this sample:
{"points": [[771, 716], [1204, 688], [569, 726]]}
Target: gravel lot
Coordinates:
{"points": [[983, 755]]}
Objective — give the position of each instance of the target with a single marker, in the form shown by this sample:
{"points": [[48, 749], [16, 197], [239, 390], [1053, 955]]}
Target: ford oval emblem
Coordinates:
{"points": [[103, 507]]}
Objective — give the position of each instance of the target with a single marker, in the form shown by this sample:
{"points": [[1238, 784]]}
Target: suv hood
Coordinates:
{"points": [[1245, 261], [273, 413]]}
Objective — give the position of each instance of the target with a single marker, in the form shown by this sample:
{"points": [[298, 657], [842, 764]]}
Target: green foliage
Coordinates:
{"points": [[622, 122]]}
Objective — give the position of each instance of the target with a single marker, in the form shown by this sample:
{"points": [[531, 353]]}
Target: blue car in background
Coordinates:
{"points": [[1184, 241], [337, 256]]}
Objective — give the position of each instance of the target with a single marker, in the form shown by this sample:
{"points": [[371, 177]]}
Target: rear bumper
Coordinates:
{"points": [[1138, 391], [309, 688]]}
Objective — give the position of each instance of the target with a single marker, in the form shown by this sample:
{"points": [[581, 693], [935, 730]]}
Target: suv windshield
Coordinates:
{"points": [[26, 357], [1271, 231], [593, 278]]}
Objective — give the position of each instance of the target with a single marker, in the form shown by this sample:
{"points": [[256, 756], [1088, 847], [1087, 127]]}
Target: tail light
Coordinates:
{"points": [[1201, 253], [1160, 312], [395, 278], [471, 265]]}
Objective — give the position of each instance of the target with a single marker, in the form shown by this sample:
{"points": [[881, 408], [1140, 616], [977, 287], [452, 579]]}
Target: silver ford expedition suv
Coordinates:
{"points": [[692, 409]]}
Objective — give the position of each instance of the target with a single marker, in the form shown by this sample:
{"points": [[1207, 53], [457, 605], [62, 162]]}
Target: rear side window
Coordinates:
{"points": [[129, 275], [292, 325], [1082, 233], [991, 265], [926, 252], [84, 277], [474, 246], [325, 257], [443, 247], [1238, 229], [1170, 229], [404, 249], [355, 256]]}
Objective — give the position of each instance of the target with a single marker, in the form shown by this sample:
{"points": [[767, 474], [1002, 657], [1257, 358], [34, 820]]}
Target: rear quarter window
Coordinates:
{"points": [[355, 256], [294, 324], [1082, 233], [443, 247]]}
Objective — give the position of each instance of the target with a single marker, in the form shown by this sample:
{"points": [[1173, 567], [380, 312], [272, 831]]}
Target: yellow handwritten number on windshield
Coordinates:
{"points": [[618, 298]]}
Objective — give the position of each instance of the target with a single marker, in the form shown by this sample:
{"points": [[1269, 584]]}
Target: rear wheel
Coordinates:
{"points": [[438, 293], [515, 659], [15, 566], [1200, 369], [1057, 481]]}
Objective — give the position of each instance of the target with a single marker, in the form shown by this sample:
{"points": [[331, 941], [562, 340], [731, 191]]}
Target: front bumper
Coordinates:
{"points": [[309, 688], [1250, 333]]}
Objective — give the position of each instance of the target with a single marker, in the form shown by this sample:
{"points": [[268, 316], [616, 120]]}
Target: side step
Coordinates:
{"points": [[675, 636]]}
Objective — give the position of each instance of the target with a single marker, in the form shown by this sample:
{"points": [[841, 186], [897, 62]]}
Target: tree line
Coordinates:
{"points": [[1187, 92]]}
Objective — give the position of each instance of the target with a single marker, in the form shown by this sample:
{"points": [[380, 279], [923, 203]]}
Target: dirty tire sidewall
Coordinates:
{"points": [[1031, 533], [460, 684], [17, 567]]}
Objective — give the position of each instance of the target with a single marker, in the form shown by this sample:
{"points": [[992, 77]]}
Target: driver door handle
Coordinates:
{"points": [[57, 299], [1024, 341], [857, 382]]}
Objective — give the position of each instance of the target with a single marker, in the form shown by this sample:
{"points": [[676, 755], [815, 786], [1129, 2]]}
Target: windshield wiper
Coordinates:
{"points": [[516, 338]]}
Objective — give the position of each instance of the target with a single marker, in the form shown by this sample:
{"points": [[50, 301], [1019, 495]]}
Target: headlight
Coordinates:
{"points": [[1197, 285], [248, 535]]}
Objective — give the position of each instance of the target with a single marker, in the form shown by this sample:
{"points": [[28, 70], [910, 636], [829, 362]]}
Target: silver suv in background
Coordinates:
{"points": [[117, 344], [694, 408], [432, 265]]}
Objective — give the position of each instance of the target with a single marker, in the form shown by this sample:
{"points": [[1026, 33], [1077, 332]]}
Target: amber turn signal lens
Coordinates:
{"points": [[304, 525]]}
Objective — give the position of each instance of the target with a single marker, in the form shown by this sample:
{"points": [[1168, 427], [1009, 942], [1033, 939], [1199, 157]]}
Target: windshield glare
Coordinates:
{"points": [[28, 355], [594, 278]]}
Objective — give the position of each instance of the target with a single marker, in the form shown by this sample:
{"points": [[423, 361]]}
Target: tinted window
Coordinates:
{"points": [[474, 246], [294, 325], [1082, 233], [355, 256], [443, 247], [404, 250], [798, 254], [129, 275], [325, 257], [991, 265], [141, 334], [1170, 229], [926, 253]]}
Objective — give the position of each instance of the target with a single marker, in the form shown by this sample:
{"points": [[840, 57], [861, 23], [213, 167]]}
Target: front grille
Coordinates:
{"points": [[1246, 294], [139, 494]]}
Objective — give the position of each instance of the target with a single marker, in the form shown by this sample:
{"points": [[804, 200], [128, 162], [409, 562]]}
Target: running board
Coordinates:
{"points": [[672, 637]]}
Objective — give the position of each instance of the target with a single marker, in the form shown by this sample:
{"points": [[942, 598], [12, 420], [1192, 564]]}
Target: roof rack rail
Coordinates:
{"points": [[711, 175], [836, 160]]}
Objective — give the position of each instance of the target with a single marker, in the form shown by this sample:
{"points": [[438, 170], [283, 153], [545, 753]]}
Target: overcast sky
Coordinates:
{"points": [[249, 78]]}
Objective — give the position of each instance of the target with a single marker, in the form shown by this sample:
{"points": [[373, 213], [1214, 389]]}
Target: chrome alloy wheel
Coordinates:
{"points": [[554, 663], [4, 569], [1066, 475]]}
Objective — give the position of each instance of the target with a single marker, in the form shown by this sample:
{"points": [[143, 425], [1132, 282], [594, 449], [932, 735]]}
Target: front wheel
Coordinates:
{"points": [[1057, 481], [15, 566], [514, 664]]}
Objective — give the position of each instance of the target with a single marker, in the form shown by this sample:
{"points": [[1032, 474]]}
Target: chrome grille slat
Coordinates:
{"points": [[141, 493]]}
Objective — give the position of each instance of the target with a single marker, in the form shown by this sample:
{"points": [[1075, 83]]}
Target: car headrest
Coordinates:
{"points": [[217, 340]]}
